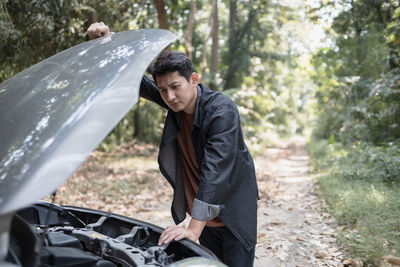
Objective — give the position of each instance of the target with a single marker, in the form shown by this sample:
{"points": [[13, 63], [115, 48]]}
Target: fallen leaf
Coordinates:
{"points": [[326, 215], [388, 261], [384, 263], [353, 263], [320, 255]]}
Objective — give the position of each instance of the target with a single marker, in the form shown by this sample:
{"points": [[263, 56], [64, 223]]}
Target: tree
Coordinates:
{"points": [[214, 49], [243, 35], [189, 30], [162, 17]]}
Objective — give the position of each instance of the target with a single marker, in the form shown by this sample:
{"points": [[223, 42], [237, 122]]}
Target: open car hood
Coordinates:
{"points": [[53, 114]]}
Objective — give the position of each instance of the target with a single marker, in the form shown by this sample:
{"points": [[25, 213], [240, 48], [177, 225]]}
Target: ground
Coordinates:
{"points": [[293, 228]]}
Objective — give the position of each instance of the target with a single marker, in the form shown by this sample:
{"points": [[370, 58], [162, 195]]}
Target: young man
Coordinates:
{"points": [[204, 158]]}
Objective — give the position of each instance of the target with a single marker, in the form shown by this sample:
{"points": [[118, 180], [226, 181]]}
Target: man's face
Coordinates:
{"points": [[178, 93]]}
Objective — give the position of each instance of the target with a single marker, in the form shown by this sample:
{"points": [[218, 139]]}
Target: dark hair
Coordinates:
{"points": [[170, 61]]}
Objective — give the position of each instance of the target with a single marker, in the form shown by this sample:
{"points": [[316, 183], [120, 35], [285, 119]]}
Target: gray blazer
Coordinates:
{"points": [[228, 186]]}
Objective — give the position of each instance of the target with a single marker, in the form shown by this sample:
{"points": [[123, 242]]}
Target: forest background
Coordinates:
{"points": [[326, 69]]}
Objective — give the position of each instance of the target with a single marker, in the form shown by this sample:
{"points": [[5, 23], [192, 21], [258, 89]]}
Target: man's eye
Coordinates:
{"points": [[162, 90]]}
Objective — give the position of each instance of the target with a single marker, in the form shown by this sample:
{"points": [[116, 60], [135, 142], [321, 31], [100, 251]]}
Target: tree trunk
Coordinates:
{"points": [[162, 21], [236, 36], [189, 30], [232, 17], [231, 44], [162, 15], [214, 50]]}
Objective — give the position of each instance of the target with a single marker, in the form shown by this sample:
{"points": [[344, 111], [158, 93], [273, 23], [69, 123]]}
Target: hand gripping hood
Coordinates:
{"points": [[53, 114]]}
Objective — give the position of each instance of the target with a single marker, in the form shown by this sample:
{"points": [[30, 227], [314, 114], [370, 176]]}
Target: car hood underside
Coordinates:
{"points": [[53, 114]]}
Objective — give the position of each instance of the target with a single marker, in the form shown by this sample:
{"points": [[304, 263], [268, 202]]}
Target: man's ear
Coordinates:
{"points": [[195, 78]]}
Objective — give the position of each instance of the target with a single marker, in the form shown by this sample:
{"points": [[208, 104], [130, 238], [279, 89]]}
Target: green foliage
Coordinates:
{"points": [[253, 108], [34, 30], [359, 89], [360, 184], [360, 161]]}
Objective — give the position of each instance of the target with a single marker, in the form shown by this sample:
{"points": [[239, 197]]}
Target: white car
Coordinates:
{"points": [[52, 115]]}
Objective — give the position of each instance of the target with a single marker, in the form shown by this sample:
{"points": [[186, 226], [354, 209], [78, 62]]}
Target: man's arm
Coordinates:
{"points": [[149, 91], [218, 170]]}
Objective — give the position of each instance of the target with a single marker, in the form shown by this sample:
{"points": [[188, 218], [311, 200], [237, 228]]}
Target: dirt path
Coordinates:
{"points": [[293, 230]]}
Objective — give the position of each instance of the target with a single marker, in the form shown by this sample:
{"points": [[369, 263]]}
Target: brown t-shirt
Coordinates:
{"points": [[190, 170]]}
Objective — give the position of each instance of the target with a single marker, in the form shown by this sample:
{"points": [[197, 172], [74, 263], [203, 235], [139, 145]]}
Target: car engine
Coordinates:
{"points": [[48, 235]]}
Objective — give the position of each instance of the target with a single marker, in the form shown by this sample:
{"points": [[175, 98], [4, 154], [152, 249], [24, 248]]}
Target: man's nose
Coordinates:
{"points": [[170, 95]]}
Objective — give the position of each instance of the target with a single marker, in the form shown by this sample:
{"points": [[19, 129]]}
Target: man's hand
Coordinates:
{"points": [[98, 29], [179, 232], [176, 233]]}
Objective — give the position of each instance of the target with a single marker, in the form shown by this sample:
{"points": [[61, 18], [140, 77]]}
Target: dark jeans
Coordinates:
{"points": [[226, 247]]}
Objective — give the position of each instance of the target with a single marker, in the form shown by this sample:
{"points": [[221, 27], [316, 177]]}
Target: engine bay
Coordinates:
{"points": [[48, 235]]}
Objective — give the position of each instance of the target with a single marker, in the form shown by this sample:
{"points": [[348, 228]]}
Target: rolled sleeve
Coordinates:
{"points": [[204, 211]]}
